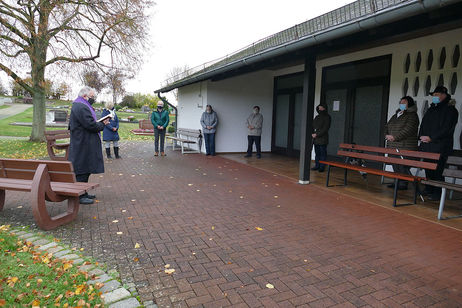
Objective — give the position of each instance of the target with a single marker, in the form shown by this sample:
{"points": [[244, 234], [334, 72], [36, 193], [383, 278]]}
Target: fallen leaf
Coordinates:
{"points": [[169, 271], [137, 245], [123, 211], [36, 303], [259, 229], [275, 197], [130, 218], [94, 217], [2, 302], [136, 259], [241, 197], [115, 221], [58, 299], [213, 227], [119, 233], [82, 249], [97, 201], [133, 200], [198, 190], [79, 290], [141, 189], [269, 286], [19, 207], [190, 184], [81, 302]]}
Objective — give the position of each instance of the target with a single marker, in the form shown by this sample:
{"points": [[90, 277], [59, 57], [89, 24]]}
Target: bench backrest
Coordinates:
{"points": [[195, 133], [145, 124], [456, 171], [51, 135], [401, 157], [59, 171]]}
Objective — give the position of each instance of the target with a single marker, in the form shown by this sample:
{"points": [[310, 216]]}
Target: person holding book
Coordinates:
{"points": [[111, 131], [85, 151]]}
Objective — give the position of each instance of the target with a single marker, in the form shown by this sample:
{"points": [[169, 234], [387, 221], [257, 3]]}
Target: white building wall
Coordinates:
{"points": [[233, 100]]}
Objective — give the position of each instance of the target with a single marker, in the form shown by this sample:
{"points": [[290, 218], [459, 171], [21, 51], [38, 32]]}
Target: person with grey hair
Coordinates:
{"points": [[85, 151], [111, 131], [160, 119]]}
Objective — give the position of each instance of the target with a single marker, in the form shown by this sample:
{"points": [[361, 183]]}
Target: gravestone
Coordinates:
{"points": [[60, 115]]}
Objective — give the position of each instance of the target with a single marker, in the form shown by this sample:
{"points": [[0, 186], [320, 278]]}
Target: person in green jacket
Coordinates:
{"points": [[160, 119]]}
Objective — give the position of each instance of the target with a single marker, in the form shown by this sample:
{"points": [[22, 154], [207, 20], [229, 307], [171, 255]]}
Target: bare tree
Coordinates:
{"points": [[116, 82], [175, 74], [94, 79], [3, 90], [37, 34]]}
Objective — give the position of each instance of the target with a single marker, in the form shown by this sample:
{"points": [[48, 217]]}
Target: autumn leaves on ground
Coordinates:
{"points": [[29, 278]]}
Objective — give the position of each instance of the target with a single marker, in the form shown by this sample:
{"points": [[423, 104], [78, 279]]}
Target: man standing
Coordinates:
{"points": [[209, 121], [254, 125], [321, 125], [159, 120], [85, 151], [437, 135]]}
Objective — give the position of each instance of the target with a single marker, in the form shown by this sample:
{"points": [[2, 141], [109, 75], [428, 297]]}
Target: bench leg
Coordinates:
{"points": [[442, 200], [328, 175], [415, 191], [41, 190], [345, 177], [2, 199], [395, 193]]}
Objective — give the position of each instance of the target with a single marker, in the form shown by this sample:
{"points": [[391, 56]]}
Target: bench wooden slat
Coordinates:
{"points": [[391, 151], [453, 173], [24, 164], [56, 132], [390, 174], [442, 184], [454, 160], [389, 160], [29, 175]]}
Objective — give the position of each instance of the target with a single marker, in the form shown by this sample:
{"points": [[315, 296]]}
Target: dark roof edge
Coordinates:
{"points": [[403, 10]]}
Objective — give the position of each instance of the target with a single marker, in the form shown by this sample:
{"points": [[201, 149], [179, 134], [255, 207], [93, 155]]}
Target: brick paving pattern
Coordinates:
{"points": [[228, 230]]}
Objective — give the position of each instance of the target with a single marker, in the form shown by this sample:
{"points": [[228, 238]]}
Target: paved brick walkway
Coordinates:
{"points": [[200, 215]]}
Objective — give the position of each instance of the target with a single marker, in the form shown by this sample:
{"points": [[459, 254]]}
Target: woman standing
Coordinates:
{"points": [[209, 121], [160, 119], [401, 133], [110, 132]]}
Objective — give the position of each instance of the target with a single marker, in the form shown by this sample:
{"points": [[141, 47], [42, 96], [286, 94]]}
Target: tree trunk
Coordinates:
{"points": [[39, 119]]}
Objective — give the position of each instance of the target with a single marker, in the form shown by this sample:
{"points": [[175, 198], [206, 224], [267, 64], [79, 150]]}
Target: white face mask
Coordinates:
{"points": [[255, 111]]}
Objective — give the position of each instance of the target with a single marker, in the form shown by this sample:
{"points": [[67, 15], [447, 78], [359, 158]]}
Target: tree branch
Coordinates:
{"points": [[16, 78]]}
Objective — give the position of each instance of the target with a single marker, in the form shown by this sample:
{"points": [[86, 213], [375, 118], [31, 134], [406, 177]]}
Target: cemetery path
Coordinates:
{"points": [[13, 110]]}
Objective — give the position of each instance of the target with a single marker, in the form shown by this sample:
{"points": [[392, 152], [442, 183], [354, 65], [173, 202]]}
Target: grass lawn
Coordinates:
{"points": [[4, 106], [22, 149], [30, 278], [19, 131]]}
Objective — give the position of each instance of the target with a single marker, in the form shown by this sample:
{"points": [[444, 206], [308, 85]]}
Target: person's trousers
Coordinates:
{"points": [[321, 154], [436, 175], [209, 143], [159, 134], [251, 140], [82, 178], [107, 144]]}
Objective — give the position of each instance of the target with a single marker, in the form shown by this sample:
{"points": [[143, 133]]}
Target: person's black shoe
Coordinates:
{"points": [[315, 168], [90, 196], [108, 153], [207, 154], [258, 156], [86, 201], [214, 154], [321, 170], [248, 155], [116, 153]]}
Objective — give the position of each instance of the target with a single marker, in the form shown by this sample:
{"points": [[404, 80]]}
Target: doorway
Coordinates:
{"points": [[287, 107], [356, 95]]}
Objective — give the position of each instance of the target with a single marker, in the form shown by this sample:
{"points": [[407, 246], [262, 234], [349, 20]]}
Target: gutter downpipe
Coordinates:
{"points": [[375, 19], [174, 107]]}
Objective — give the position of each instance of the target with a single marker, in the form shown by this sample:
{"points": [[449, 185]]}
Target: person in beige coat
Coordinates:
{"points": [[254, 125]]}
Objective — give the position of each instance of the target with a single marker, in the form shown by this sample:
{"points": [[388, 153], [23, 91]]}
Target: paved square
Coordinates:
{"points": [[231, 232]]}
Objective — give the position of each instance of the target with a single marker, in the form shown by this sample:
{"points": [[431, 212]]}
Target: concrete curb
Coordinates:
{"points": [[114, 295]]}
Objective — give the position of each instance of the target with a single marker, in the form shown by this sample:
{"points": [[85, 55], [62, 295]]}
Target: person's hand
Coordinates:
{"points": [[390, 138], [251, 127], [425, 139], [106, 122], [159, 127], [114, 129], [314, 135]]}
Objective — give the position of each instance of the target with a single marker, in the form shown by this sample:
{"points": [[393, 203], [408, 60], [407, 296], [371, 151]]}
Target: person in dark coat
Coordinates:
{"points": [[401, 133], [85, 146], [111, 131], [437, 135], [209, 122], [321, 125], [160, 119]]}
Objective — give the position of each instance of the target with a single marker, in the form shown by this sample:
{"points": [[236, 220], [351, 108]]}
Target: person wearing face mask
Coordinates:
{"points": [[209, 121], [321, 125], [254, 127], [85, 150], [111, 131], [437, 135], [401, 133], [160, 119]]}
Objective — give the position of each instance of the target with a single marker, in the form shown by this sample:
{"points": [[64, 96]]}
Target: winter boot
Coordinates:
{"points": [[108, 153], [116, 152]]}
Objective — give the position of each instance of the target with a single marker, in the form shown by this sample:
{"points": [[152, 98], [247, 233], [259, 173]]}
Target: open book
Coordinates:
{"points": [[104, 118]]}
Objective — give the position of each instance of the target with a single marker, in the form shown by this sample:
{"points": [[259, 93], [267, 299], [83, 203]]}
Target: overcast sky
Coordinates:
{"points": [[186, 32]]}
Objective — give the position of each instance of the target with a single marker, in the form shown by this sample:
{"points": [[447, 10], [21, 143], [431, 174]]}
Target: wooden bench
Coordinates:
{"points": [[453, 170], [145, 128], [413, 159], [52, 136], [46, 180], [186, 137]]}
